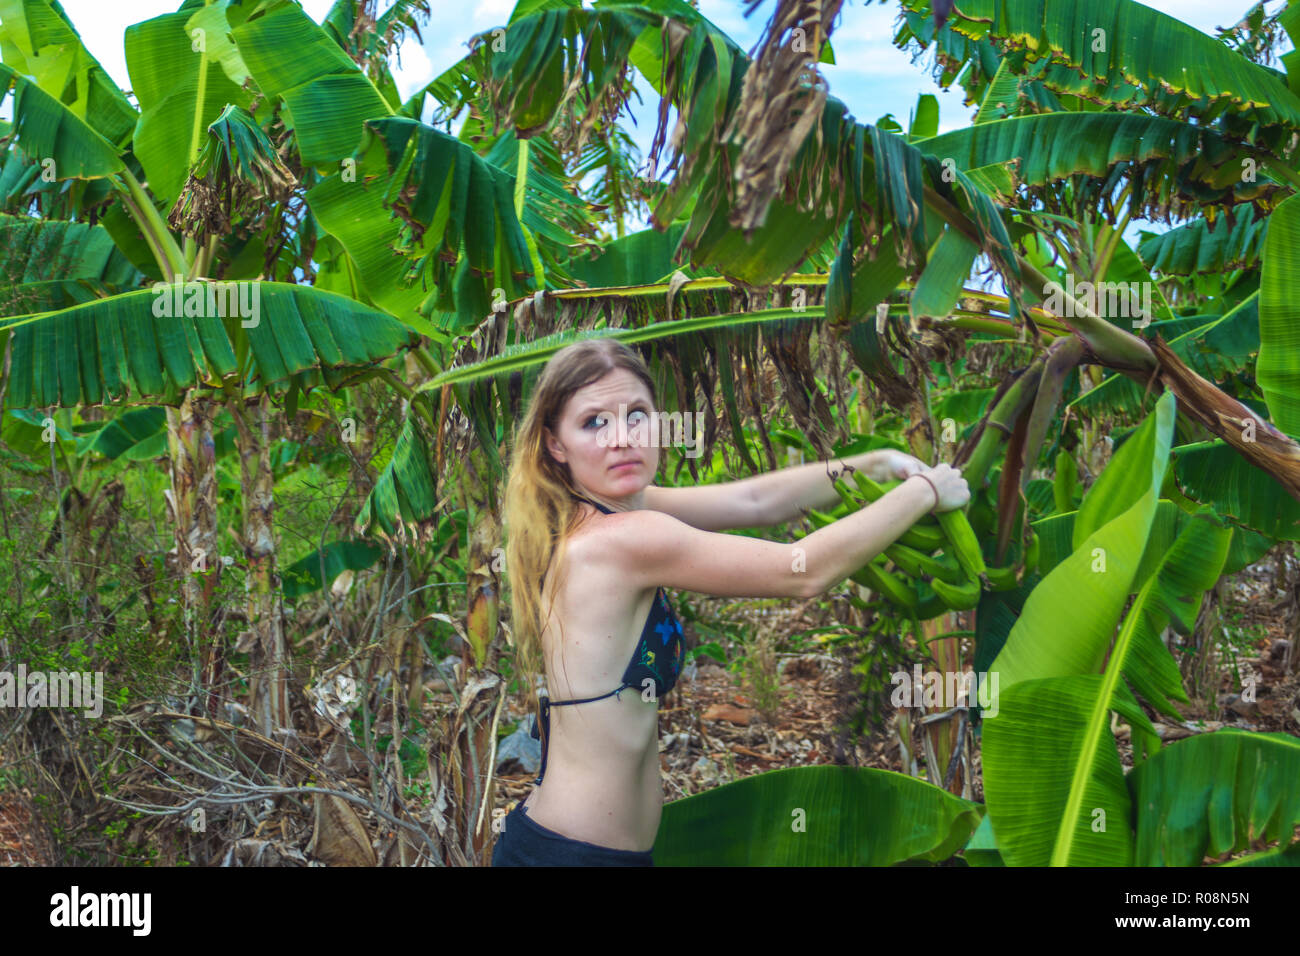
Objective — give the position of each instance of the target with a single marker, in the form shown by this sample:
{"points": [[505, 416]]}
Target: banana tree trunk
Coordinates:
{"points": [[194, 499], [264, 640], [467, 744], [942, 737]]}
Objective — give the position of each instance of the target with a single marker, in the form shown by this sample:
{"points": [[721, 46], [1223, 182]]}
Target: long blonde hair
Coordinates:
{"points": [[540, 512]]}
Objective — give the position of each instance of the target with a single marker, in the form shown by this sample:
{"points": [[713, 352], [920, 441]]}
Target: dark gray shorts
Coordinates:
{"points": [[524, 842]]}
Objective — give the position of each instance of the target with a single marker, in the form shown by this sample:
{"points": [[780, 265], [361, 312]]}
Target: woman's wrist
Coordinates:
{"points": [[931, 489]]}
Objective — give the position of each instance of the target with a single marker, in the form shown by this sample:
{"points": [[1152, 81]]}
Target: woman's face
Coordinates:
{"points": [[596, 441]]}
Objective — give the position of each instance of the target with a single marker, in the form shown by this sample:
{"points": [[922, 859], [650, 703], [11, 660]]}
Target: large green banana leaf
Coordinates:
{"points": [[1202, 247], [1052, 779], [815, 816], [1278, 368], [327, 95], [180, 91], [541, 51], [1056, 535], [1140, 57], [1137, 477], [47, 265], [1112, 526], [48, 129], [1215, 793], [38, 40], [1191, 160], [551, 210], [116, 349], [1215, 472], [349, 205], [947, 267]]}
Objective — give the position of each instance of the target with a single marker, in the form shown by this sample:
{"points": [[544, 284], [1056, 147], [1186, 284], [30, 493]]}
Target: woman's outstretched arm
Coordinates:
{"points": [[653, 549], [784, 495]]}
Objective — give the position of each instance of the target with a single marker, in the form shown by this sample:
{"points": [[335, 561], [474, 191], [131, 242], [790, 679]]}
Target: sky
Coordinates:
{"points": [[871, 75]]}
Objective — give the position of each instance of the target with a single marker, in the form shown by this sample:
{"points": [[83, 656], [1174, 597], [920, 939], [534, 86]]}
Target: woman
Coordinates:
{"points": [[591, 543]]}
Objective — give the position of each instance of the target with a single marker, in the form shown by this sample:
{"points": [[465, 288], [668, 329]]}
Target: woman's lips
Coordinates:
{"points": [[626, 464]]}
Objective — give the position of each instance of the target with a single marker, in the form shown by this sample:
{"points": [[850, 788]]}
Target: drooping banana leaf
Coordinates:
{"points": [[447, 193], [1050, 147], [1215, 472], [47, 265], [129, 347], [1128, 54], [1200, 246], [636, 259], [1212, 794], [44, 127], [349, 205], [404, 496]]}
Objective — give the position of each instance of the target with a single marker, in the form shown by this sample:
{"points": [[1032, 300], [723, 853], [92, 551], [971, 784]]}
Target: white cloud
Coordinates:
{"points": [[415, 70], [103, 28], [316, 9], [487, 12]]}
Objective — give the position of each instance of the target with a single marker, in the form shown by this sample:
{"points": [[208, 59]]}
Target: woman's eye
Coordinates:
{"points": [[599, 421], [635, 413]]}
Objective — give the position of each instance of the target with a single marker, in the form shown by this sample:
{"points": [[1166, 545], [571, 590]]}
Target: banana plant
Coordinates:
{"points": [[190, 80]]}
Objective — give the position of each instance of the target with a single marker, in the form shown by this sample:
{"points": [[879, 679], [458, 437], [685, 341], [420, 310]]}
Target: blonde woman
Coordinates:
{"points": [[591, 543]]}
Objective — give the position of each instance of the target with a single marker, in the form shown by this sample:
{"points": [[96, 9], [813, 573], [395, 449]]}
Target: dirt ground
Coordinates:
{"points": [[711, 732]]}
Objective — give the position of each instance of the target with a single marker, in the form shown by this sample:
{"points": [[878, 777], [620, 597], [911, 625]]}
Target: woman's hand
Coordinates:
{"points": [[950, 486], [890, 465]]}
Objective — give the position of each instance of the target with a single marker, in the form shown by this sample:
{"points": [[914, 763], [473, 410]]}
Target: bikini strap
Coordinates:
{"points": [[544, 719]]}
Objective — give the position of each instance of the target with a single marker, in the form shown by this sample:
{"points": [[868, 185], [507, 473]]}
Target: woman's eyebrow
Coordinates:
{"points": [[639, 403]]}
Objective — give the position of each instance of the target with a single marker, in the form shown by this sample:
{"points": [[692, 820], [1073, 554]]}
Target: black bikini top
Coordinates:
{"points": [[657, 660]]}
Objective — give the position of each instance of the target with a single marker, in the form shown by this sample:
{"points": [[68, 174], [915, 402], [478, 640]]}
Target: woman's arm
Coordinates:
{"points": [[651, 549], [784, 495]]}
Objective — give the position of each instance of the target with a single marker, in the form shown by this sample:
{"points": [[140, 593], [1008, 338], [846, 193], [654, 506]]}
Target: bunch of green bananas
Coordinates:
{"points": [[953, 578]]}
